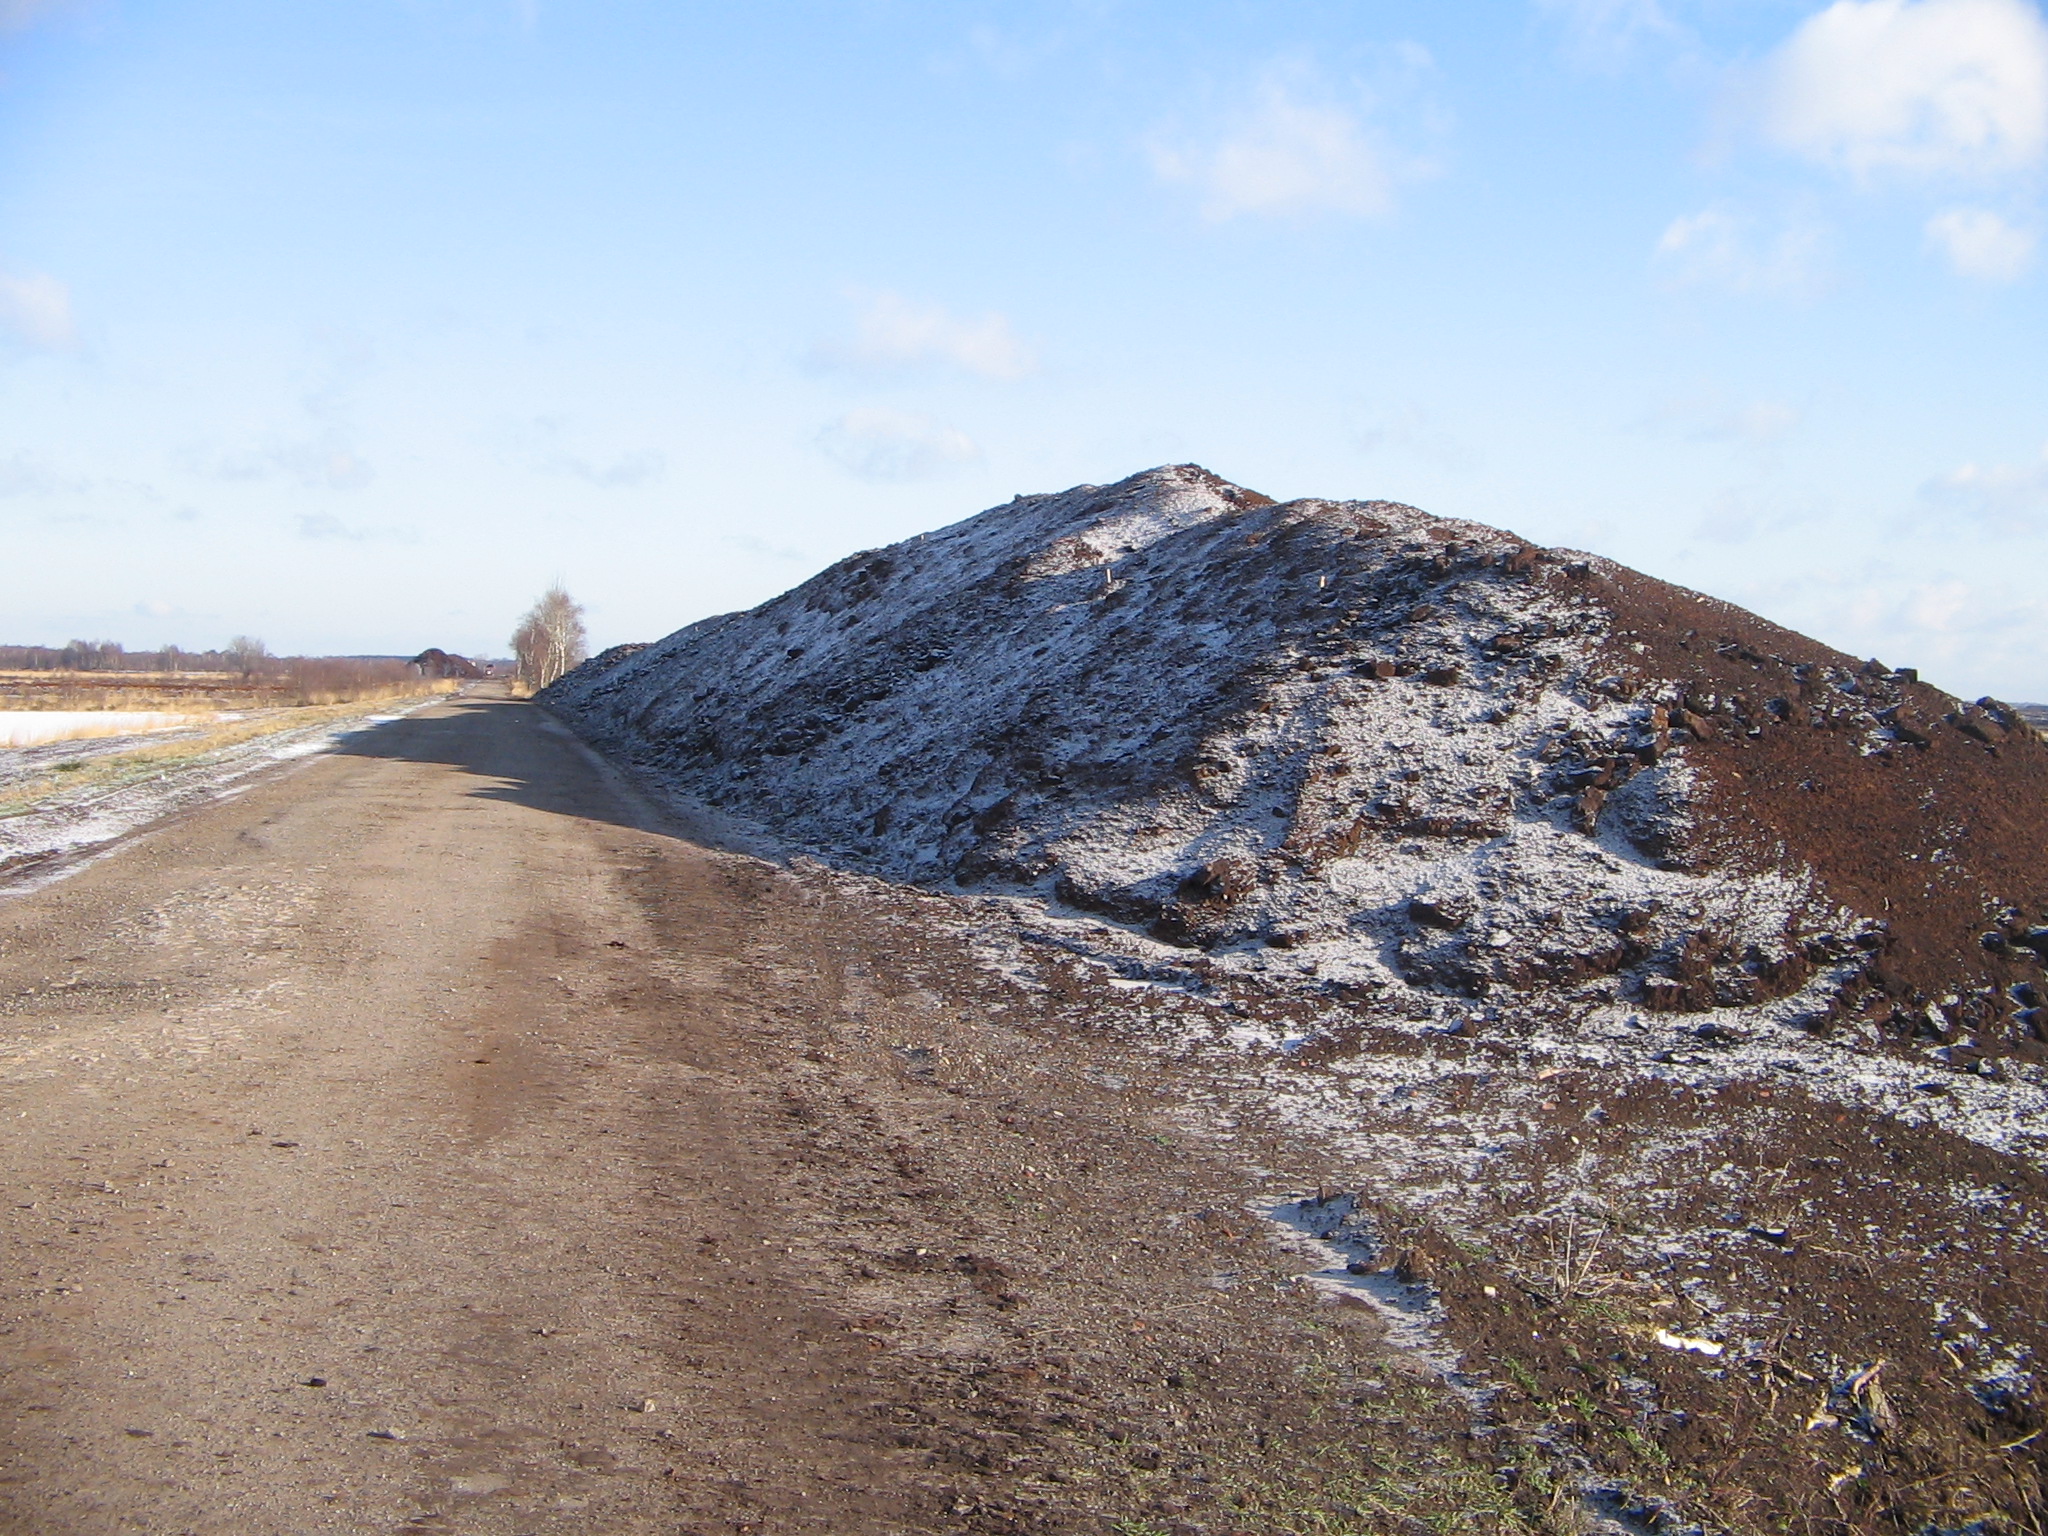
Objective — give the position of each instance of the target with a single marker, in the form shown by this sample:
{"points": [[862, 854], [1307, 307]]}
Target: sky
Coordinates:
{"points": [[354, 326]]}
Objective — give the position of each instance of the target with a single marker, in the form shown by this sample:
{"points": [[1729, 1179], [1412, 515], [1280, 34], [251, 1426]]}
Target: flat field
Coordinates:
{"points": [[324, 680]]}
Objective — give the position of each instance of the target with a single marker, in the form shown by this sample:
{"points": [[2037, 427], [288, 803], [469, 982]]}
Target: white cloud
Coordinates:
{"points": [[1712, 418], [37, 309], [1410, 429], [1971, 631], [551, 445], [24, 476], [1761, 421], [747, 544], [312, 464], [17, 14], [627, 469], [894, 332], [1607, 31], [1291, 155], [1984, 630], [1980, 243], [1922, 86], [325, 525], [2012, 498], [881, 444], [1723, 248]]}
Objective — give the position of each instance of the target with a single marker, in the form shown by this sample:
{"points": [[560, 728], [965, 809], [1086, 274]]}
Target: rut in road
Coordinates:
{"points": [[427, 1139]]}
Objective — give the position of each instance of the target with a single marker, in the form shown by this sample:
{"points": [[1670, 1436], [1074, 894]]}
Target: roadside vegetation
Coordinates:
{"points": [[549, 641], [138, 714], [268, 682]]}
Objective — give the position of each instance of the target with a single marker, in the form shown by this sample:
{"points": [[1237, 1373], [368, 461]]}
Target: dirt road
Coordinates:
{"points": [[425, 1139]]}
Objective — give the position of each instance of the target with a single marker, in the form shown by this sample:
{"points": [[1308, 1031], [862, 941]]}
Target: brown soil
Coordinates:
{"points": [[1941, 841], [431, 1139]]}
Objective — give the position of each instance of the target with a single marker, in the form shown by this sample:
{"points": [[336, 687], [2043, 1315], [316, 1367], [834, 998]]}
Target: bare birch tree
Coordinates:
{"points": [[550, 639], [246, 654]]}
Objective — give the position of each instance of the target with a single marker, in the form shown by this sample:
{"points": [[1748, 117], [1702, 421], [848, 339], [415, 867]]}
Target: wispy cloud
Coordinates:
{"points": [[318, 464], [1956, 626], [893, 446], [1605, 33], [1412, 430], [1980, 243], [625, 470], [1724, 247], [36, 309], [1925, 87], [892, 332], [550, 445], [1741, 515], [1713, 418], [18, 14], [1973, 627], [2008, 498], [21, 475], [319, 526], [748, 544], [1296, 150], [1760, 421]]}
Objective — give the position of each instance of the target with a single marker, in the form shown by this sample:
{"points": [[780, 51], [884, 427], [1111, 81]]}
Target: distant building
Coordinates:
{"points": [[435, 662]]}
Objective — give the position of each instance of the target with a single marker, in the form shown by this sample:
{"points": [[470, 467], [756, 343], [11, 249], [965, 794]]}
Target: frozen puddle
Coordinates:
{"points": [[1335, 1231]]}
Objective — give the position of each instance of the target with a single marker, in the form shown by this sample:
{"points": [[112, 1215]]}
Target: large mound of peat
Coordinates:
{"points": [[1669, 982], [1414, 762]]}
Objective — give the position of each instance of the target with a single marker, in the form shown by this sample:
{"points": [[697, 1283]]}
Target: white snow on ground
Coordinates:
{"points": [[33, 727], [1331, 1232]]}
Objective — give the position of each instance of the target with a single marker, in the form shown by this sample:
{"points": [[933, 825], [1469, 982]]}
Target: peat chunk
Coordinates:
{"points": [[1439, 912], [1586, 811], [1220, 880], [1661, 994], [1979, 725], [1908, 727]]}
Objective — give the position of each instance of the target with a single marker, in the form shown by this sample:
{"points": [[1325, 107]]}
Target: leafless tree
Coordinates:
{"points": [[550, 639], [246, 654]]}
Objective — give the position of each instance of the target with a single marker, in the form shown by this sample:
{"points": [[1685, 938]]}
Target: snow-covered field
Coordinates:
{"points": [[61, 832], [33, 727]]}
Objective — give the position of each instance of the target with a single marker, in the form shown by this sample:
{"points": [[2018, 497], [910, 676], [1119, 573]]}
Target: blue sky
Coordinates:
{"points": [[354, 326]]}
